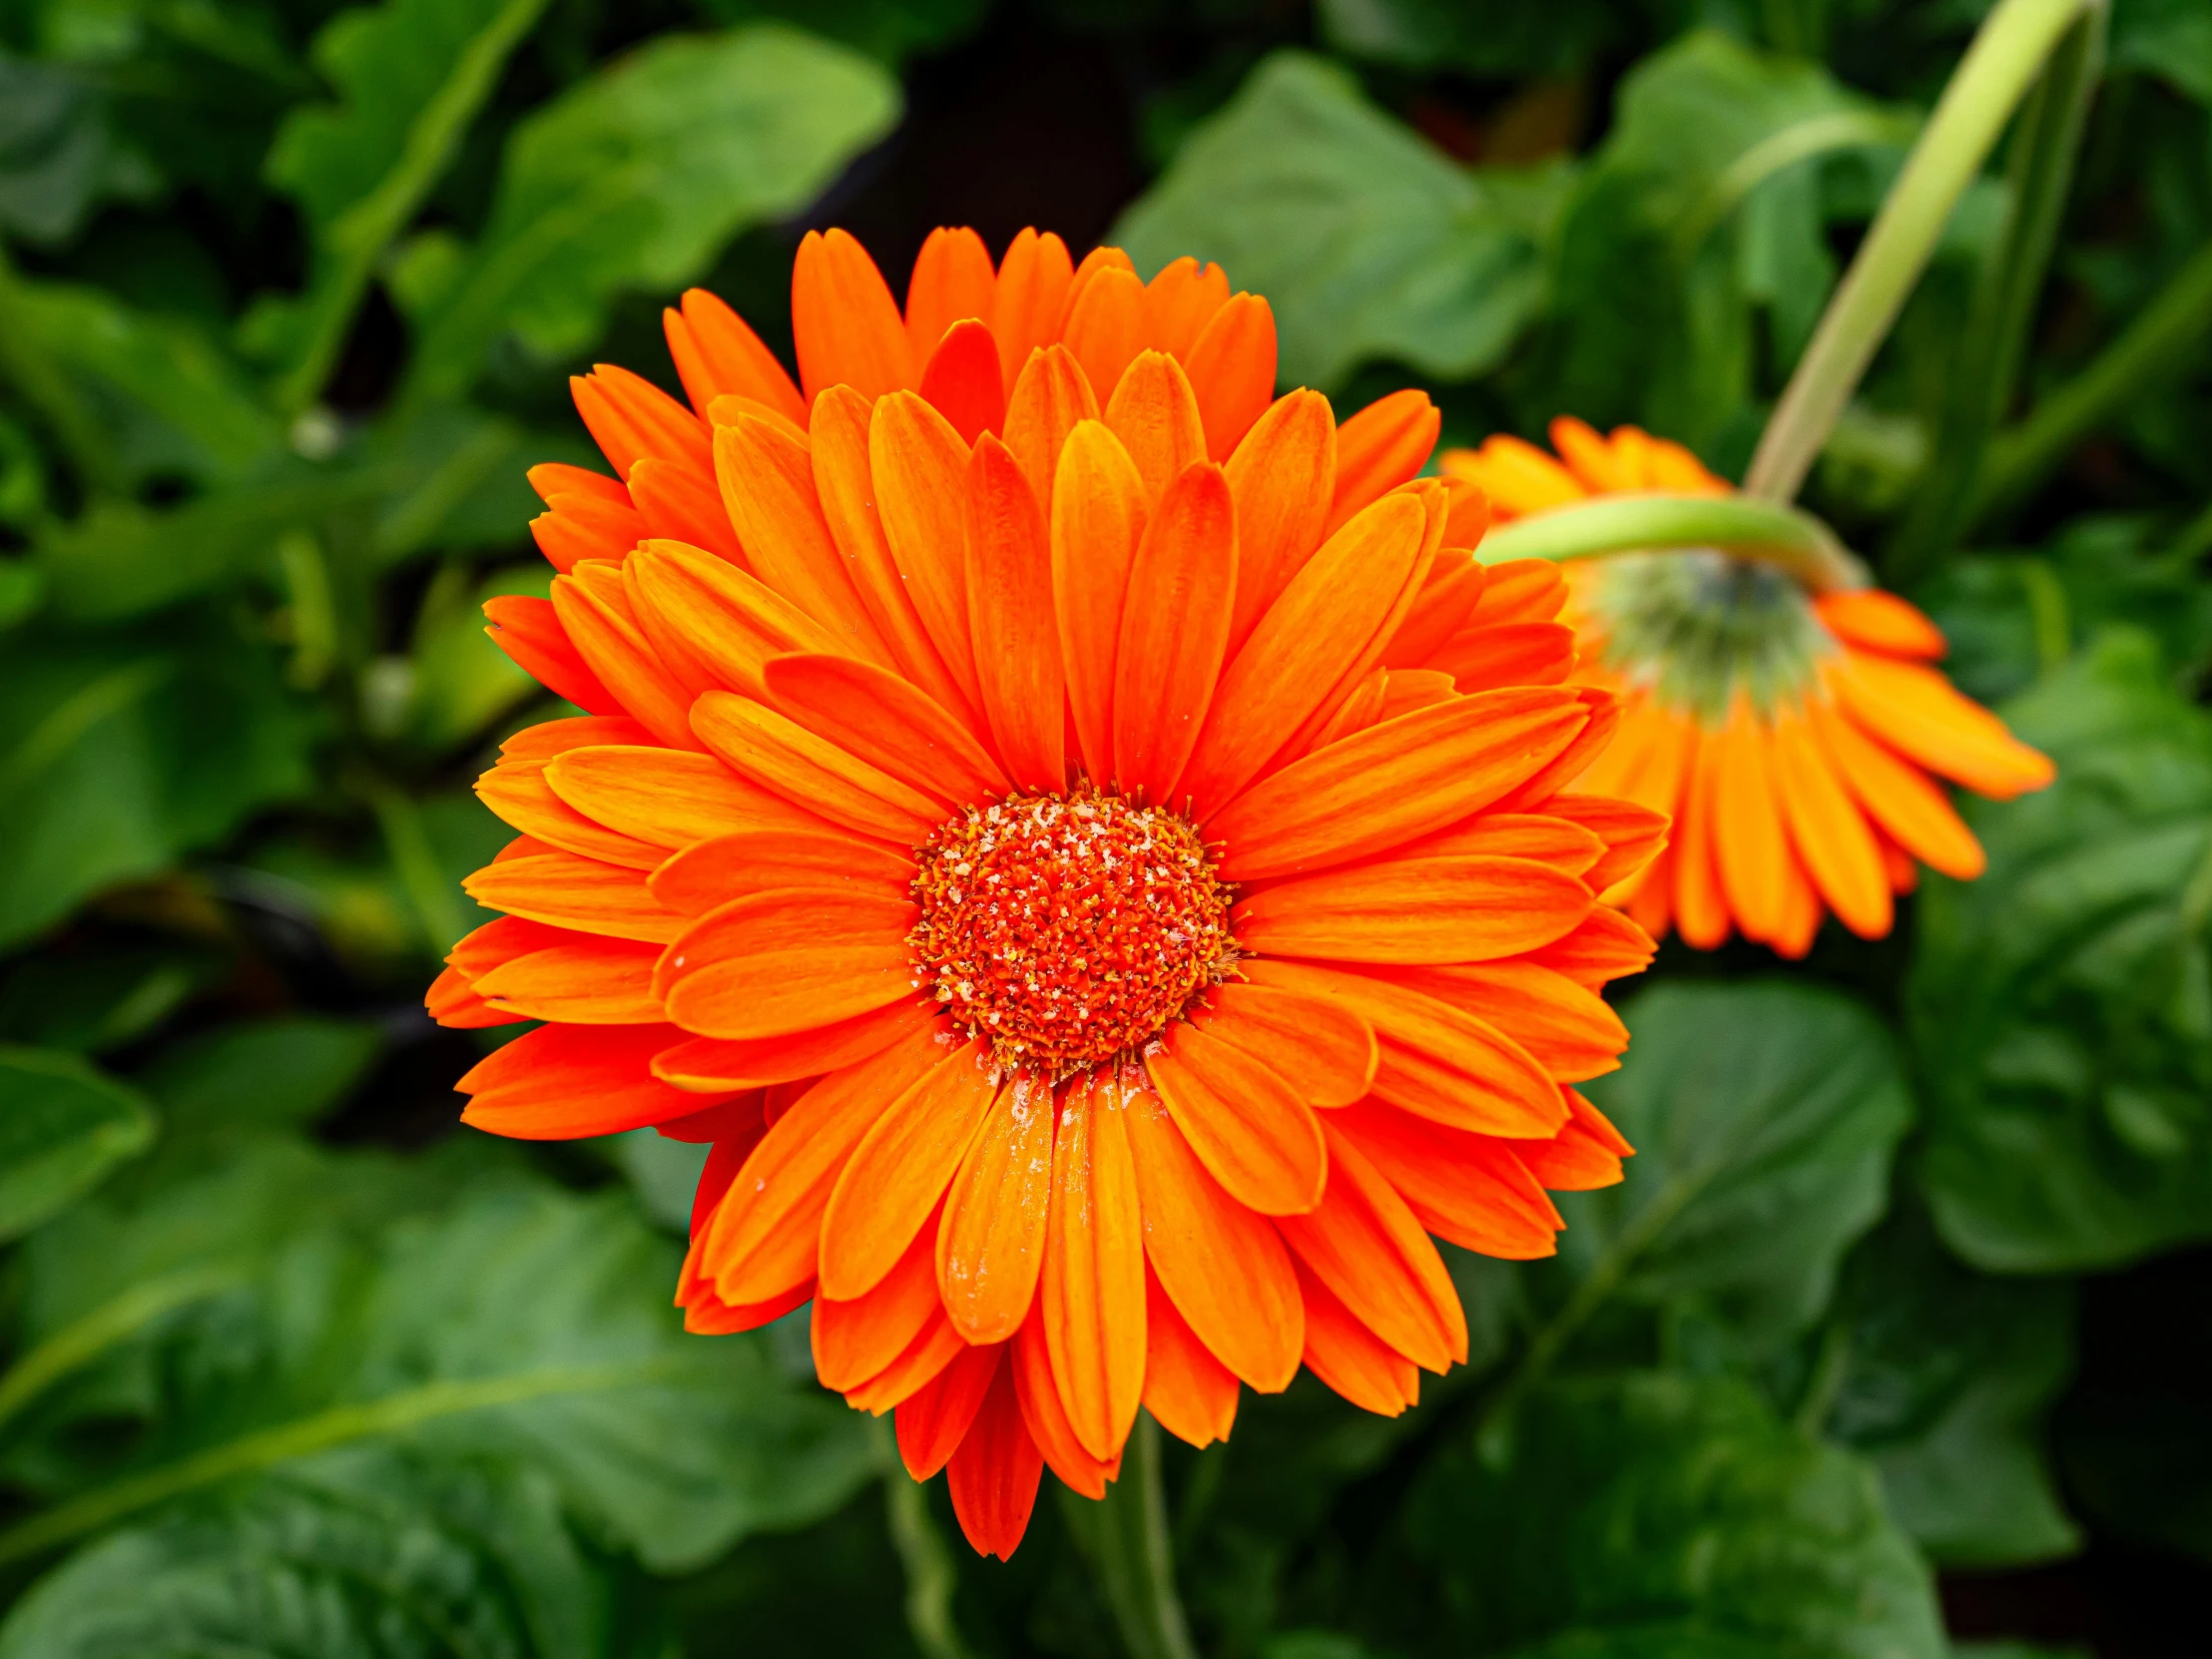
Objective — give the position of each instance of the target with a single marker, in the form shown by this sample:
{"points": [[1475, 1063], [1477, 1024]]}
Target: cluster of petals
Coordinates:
{"points": [[1818, 796], [1047, 535]]}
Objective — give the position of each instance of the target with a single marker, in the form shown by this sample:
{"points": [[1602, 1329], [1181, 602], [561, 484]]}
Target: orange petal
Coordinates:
{"points": [[1174, 629], [807, 770], [1566, 1027], [1606, 947], [1467, 1189], [536, 745], [727, 621], [1190, 1393], [721, 356], [961, 381], [843, 322], [993, 1476], [564, 891], [1031, 294], [1326, 1050], [591, 981], [1283, 473], [1447, 598], [1047, 1419], [873, 715], [1590, 457], [529, 631], [1154, 414], [922, 1361], [952, 279], [630, 417], [1097, 521], [845, 484], [1700, 913], [668, 797], [562, 1082], [1480, 657], [1551, 841], [679, 503], [451, 1002], [902, 1169], [1520, 590], [1832, 840], [1518, 476], [1365, 1246], [767, 474], [708, 873], [1180, 301], [1105, 327], [1572, 761], [1226, 1268], [1049, 400], [1349, 1358], [856, 1339], [586, 525], [708, 1063], [1231, 371], [1631, 835], [1093, 1291], [1311, 646], [789, 960], [551, 478], [1381, 447], [1749, 850], [522, 797], [934, 1418], [1583, 1156], [991, 1247], [1394, 782], [1435, 1060], [1248, 1127], [1446, 909], [919, 466], [766, 1234], [1910, 807], [1877, 621], [1916, 712], [1011, 619]]}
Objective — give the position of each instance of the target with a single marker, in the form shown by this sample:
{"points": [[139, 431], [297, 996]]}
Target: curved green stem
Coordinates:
{"points": [[931, 1576], [2006, 56], [1764, 533], [1125, 1535], [113, 1320]]}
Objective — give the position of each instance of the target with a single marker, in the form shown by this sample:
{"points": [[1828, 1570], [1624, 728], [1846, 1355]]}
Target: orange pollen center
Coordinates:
{"points": [[1068, 928]]}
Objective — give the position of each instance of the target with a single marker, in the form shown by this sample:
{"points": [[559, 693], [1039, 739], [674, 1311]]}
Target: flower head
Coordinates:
{"points": [[1790, 734], [1079, 837]]}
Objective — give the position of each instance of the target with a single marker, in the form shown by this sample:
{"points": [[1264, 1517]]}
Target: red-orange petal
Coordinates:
{"points": [[1246, 1123], [1381, 447], [562, 1082], [1097, 522], [789, 960], [843, 322], [1092, 1294], [991, 1247], [1190, 1393], [961, 380], [1011, 618], [1418, 910], [994, 1476], [1174, 630], [933, 1420], [1231, 371], [1327, 1051]]}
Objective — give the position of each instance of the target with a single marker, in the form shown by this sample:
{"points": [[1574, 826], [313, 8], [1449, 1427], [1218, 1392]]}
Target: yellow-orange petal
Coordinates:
{"points": [[991, 1244], [1750, 853], [951, 279], [1226, 1268], [1092, 1292], [1832, 840], [1916, 712], [1174, 631], [670, 798], [1097, 521], [807, 770], [845, 325], [1910, 807], [1246, 1123], [1011, 618], [1877, 621]]}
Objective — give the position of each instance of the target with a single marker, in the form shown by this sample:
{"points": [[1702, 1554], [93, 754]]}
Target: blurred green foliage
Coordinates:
{"points": [[287, 291]]}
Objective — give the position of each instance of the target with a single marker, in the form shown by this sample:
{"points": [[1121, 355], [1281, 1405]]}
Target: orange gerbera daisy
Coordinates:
{"points": [[1789, 733], [1078, 835]]}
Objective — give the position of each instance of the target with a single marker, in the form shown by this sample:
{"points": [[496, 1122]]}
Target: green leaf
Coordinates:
{"points": [[363, 1554], [94, 1000], [128, 751], [1651, 1515], [1946, 1377], [524, 1324], [1764, 1117], [1366, 241], [2171, 39], [637, 176], [889, 30], [58, 155], [459, 681], [2061, 1005], [254, 1079], [663, 1173], [1516, 38], [412, 75], [63, 1126], [173, 401]]}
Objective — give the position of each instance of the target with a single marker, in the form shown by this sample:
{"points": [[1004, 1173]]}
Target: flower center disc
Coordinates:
{"points": [[1068, 928]]}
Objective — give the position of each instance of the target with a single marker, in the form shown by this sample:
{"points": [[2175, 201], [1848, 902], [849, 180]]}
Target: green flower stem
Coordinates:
{"points": [[2006, 56], [931, 1576], [1764, 533], [302, 1437], [2161, 342], [1127, 1536]]}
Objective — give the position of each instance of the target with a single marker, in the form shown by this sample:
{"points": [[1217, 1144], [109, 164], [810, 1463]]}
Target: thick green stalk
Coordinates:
{"points": [[2161, 342], [1987, 369], [1764, 533], [339, 1425], [2006, 56], [1125, 1535]]}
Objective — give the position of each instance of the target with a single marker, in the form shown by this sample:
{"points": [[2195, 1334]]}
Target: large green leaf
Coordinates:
{"points": [[2061, 1005], [126, 752], [1654, 1516], [368, 1553], [1764, 1117], [1366, 241], [523, 1325], [1506, 37], [63, 1126], [412, 74], [887, 29], [1943, 1379], [635, 178], [227, 1087], [58, 155]]}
